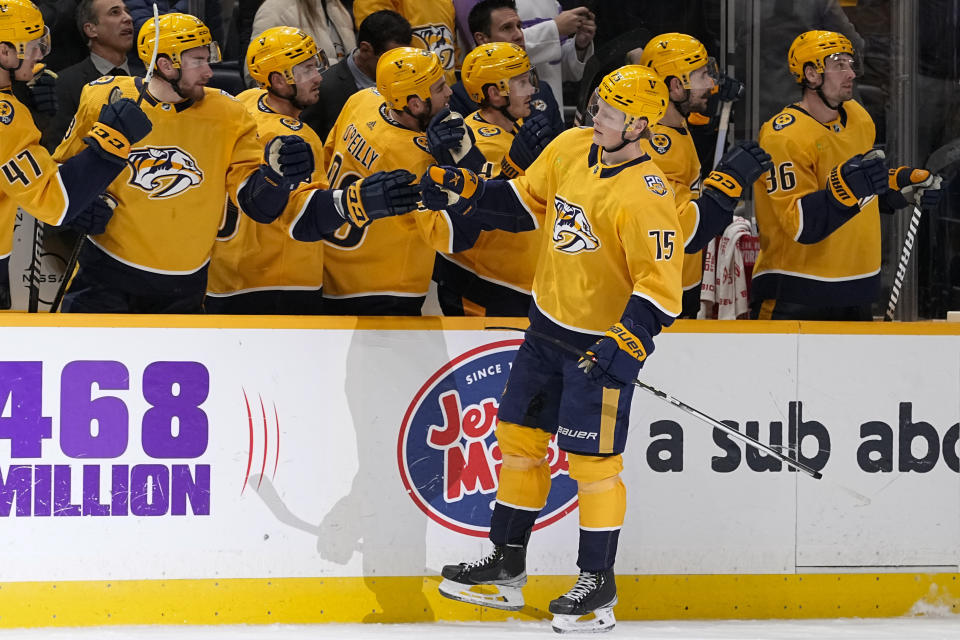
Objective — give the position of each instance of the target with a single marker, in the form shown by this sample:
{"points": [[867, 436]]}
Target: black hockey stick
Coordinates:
{"points": [[33, 301], [790, 462]]}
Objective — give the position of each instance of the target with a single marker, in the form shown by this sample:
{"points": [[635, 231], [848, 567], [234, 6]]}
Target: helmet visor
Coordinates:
{"points": [[309, 69], [208, 54], [705, 77], [42, 44], [840, 63], [524, 85], [602, 114]]}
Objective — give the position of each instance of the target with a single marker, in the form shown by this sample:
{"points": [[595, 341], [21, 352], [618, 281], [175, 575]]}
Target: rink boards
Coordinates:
{"points": [[266, 470]]}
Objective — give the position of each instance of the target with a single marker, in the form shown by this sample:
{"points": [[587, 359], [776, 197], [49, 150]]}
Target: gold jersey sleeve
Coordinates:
{"points": [[170, 196], [250, 256], [501, 257], [610, 232], [673, 150], [433, 23], [29, 177], [394, 255], [803, 152]]}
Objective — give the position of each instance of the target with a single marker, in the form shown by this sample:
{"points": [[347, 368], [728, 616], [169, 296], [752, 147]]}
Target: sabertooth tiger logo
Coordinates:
{"points": [[571, 230], [163, 172], [436, 38]]}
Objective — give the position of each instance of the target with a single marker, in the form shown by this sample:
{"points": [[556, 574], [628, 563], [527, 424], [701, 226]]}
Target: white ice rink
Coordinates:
{"points": [[918, 628]]}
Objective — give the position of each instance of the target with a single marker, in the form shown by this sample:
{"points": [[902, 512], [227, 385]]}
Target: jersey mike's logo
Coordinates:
{"points": [[448, 455], [571, 230], [436, 38], [163, 172]]}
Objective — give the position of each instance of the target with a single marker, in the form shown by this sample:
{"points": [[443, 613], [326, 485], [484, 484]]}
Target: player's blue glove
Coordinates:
{"points": [[383, 194], [859, 177], [529, 140], [450, 189], [914, 187], [451, 142], [287, 161], [121, 124], [615, 360], [93, 220], [43, 92], [739, 168]]}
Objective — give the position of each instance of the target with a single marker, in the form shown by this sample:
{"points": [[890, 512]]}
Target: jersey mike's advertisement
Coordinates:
{"points": [[312, 452]]}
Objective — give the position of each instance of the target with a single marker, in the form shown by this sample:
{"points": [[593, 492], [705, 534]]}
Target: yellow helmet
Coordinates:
{"points": [[676, 54], [405, 72], [637, 92], [494, 63], [280, 49], [20, 23], [178, 33], [814, 47]]}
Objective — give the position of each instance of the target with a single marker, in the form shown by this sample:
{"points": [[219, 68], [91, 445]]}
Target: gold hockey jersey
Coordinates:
{"points": [[28, 175], [610, 231], [504, 258], [433, 22], [170, 196], [250, 256], [672, 150], [842, 268], [391, 256]]}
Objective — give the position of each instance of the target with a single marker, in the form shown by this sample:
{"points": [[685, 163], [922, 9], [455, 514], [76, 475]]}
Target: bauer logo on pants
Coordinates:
{"points": [[448, 454]]}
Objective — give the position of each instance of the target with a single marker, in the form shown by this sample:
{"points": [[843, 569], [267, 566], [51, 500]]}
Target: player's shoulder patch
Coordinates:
{"points": [[6, 112], [101, 80], [660, 142], [656, 185], [291, 123], [782, 121], [421, 141], [488, 132]]}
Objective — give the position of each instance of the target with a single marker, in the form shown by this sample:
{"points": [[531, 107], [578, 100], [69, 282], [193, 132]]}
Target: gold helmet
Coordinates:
{"points": [[280, 49], [405, 72], [178, 33], [494, 63], [677, 54], [814, 47], [21, 23], [635, 91]]}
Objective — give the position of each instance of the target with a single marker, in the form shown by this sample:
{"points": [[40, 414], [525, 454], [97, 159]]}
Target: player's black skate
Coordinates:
{"points": [[505, 568], [595, 593]]}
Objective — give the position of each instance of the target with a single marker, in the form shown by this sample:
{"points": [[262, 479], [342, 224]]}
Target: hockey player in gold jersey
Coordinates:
{"points": [[690, 75], [817, 209], [385, 267], [153, 255], [268, 268], [608, 280], [494, 277], [29, 177]]}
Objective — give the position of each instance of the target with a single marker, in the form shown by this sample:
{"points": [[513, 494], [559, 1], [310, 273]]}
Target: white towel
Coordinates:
{"points": [[724, 288]]}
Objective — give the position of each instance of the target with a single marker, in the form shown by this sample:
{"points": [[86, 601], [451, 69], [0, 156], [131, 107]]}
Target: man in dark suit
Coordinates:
{"points": [[108, 29], [379, 32]]}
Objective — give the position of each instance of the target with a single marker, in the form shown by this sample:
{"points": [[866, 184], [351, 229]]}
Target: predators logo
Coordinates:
{"points": [[163, 172], [660, 142], [6, 112], [571, 230], [782, 121], [436, 38]]}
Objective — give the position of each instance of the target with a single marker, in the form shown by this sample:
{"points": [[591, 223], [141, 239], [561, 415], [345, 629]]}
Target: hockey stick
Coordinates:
{"points": [[722, 132], [908, 243], [33, 301], [790, 462], [115, 94]]}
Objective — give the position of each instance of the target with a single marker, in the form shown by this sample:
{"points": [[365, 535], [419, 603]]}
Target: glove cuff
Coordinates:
{"points": [[629, 342], [352, 205], [724, 183], [509, 168], [109, 141], [840, 191]]}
